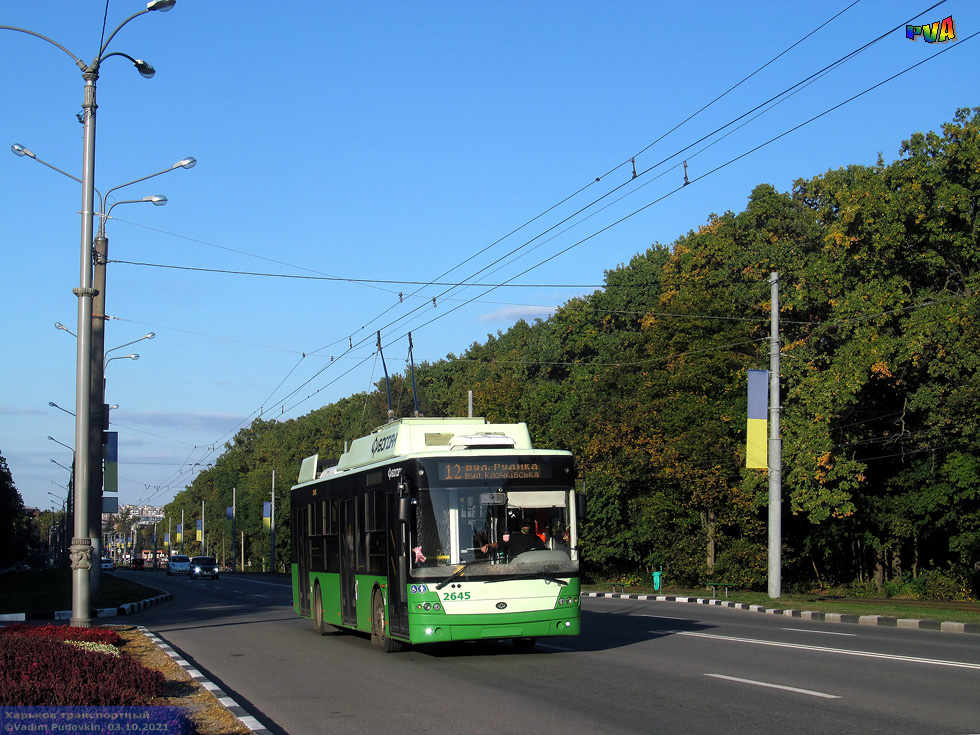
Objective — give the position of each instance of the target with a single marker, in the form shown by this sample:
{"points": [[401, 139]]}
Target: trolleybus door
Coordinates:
{"points": [[397, 568], [348, 606], [302, 553]]}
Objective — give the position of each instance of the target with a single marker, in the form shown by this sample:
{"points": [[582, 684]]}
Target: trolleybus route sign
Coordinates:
{"points": [[493, 471]]}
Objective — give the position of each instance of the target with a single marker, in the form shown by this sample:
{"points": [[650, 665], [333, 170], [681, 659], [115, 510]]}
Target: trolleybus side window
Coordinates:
{"points": [[374, 531], [331, 539]]}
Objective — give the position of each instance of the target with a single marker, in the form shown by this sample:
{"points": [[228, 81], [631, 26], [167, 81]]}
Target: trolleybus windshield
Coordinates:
{"points": [[495, 531]]}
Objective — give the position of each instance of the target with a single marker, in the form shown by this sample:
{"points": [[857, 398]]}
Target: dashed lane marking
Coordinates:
{"points": [[821, 632], [769, 685], [824, 649]]}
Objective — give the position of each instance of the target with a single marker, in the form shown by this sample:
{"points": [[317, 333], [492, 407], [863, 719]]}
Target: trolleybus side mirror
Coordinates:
{"points": [[404, 509]]}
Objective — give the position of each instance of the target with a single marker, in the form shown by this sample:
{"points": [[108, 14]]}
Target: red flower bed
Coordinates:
{"points": [[63, 633], [35, 671]]}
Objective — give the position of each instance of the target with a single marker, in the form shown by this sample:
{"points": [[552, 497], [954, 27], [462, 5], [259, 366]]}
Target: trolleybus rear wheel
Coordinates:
{"points": [[318, 625], [379, 630]]}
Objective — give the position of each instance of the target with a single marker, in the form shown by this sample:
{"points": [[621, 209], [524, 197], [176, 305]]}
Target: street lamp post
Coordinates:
{"points": [[81, 547], [100, 254]]}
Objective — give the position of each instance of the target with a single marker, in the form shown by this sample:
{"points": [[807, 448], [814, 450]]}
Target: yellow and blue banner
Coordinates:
{"points": [[199, 531], [166, 539], [180, 537], [267, 514], [757, 429]]}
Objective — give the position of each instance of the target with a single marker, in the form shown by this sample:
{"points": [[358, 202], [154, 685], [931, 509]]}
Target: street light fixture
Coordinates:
{"points": [[55, 405], [134, 356], [63, 328], [148, 335], [81, 547], [70, 449], [61, 465]]}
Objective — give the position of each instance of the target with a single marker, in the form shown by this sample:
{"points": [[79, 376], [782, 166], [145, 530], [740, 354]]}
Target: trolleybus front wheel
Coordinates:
{"points": [[379, 630]]}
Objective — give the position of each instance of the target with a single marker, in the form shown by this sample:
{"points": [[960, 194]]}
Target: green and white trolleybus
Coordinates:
{"points": [[439, 529]]}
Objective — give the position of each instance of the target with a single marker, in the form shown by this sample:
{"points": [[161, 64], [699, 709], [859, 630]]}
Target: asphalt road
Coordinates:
{"points": [[639, 667]]}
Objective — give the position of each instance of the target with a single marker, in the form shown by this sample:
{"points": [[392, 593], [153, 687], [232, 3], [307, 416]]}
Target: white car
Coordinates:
{"points": [[179, 564]]}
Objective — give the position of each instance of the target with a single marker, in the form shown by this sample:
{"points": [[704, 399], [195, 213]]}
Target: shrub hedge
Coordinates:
{"points": [[63, 633], [37, 668]]}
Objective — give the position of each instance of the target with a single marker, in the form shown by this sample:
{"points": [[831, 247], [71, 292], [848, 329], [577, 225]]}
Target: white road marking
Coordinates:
{"points": [[283, 586], [841, 651], [822, 632], [775, 686]]}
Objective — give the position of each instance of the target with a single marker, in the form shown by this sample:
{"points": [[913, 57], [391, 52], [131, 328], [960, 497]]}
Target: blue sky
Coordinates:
{"points": [[386, 141]]}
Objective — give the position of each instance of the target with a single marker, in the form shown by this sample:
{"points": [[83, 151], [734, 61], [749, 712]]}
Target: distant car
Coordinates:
{"points": [[204, 566], [136, 564], [179, 564], [107, 564]]}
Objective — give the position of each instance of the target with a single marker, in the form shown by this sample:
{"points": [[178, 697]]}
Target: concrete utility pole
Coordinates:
{"points": [[203, 552], [181, 530], [775, 447]]}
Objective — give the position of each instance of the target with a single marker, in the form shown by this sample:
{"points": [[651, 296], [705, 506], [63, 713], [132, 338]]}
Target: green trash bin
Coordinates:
{"points": [[656, 581]]}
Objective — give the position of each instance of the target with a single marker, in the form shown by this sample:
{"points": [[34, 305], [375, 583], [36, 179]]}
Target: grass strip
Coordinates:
{"points": [[50, 589]]}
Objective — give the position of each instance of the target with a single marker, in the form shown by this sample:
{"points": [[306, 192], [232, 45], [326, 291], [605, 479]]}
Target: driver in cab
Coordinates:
{"points": [[518, 543]]}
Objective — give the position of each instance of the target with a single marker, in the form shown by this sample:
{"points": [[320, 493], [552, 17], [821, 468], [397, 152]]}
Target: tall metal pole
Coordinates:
{"points": [[775, 447], [203, 547], [234, 515], [81, 544], [98, 423], [272, 527], [182, 542]]}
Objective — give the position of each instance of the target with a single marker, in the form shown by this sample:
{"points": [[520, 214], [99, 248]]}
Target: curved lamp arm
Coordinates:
{"points": [[159, 5], [78, 62]]}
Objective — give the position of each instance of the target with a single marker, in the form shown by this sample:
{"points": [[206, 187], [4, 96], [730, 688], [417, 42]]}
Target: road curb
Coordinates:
{"points": [[239, 712], [813, 615]]}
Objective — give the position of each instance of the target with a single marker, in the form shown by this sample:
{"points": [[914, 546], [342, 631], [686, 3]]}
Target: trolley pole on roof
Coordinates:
{"points": [[387, 382]]}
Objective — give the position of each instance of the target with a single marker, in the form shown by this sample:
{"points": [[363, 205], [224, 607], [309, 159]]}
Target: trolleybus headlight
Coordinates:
{"points": [[436, 606], [427, 606]]}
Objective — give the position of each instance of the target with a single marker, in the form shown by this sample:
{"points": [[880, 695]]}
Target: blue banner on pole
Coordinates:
{"points": [[230, 512]]}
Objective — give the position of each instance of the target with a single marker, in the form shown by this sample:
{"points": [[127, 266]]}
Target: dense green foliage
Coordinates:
{"points": [[645, 381], [16, 531]]}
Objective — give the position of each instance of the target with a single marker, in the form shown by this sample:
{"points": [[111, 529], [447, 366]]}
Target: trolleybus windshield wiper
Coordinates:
{"points": [[517, 575], [459, 570]]}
